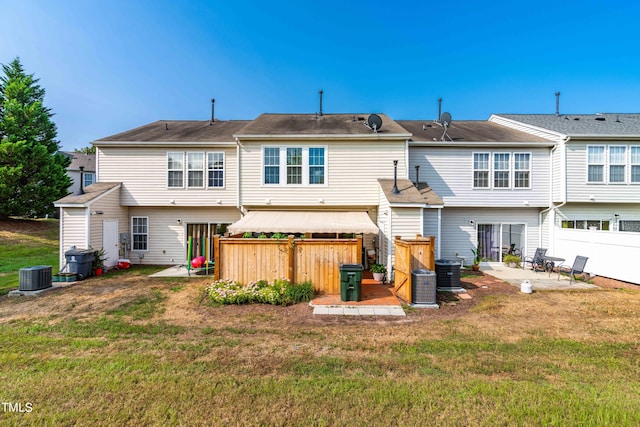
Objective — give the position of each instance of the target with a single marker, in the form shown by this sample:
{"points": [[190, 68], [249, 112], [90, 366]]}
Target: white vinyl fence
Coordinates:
{"points": [[611, 254]]}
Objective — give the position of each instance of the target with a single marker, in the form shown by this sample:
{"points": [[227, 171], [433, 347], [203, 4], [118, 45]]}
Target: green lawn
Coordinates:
{"points": [[155, 355]]}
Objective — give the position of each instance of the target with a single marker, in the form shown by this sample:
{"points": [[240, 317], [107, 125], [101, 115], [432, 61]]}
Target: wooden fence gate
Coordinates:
{"points": [[411, 254]]}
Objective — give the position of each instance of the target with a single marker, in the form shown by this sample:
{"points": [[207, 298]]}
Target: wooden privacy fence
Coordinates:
{"points": [[299, 260], [411, 254]]}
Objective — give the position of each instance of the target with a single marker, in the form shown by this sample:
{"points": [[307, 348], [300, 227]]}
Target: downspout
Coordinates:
{"points": [[439, 232], [390, 245], [238, 193], [61, 256]]}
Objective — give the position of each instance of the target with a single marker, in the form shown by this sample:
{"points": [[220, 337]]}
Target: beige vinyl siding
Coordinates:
{"points": [[383, 223], [458, 235], [111, 209], [557, 174], [167, 241], [430, 222], [74, 233], [406, 222], [579, 191], [143, 174], [353, 169], [449, 171]]}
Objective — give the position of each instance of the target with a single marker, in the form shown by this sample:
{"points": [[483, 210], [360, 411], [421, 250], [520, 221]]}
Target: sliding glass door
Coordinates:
{"points": [[497, 240]]}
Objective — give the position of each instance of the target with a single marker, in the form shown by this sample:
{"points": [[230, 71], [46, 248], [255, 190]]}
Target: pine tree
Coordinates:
{"points": [[32, 171]]}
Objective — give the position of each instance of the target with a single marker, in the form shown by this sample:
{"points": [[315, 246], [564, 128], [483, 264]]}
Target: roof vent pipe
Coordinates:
{"points": [[395, 178], [213, 117], [320, 102], [81, 179], [557, 104], [439, 108], [417, 175]]}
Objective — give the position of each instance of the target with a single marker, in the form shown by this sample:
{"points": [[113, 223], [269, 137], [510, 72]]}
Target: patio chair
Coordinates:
{"points": [[537, 261], [577, 268]]}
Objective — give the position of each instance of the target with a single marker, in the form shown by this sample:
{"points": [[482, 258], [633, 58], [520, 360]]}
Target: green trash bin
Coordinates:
{"points": [[350, 282]]}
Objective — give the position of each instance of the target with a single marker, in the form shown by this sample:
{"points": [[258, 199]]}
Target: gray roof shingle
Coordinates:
{"points": [[583, 124]]}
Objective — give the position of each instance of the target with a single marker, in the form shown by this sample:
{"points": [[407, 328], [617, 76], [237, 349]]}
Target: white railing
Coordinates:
{"points": [[611, 254]]}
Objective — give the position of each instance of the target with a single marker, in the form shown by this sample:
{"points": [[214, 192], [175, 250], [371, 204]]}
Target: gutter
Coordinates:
{"points": [[332, 137]]}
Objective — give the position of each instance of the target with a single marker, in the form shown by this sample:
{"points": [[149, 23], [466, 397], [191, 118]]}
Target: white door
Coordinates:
{"points": [[110, 241]]}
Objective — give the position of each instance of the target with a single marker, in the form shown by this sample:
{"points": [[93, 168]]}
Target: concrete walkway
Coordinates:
{"points": [[541, 281]]}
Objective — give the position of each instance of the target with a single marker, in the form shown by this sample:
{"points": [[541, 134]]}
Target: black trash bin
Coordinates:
{"points": [[423, 288], [350, 282], [80, 261]]}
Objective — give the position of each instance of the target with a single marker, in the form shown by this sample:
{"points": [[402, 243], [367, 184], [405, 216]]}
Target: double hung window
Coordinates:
{"points": [[140, 233], [635, 164], [481, 170], [617, 163], [215, 170], [501, 167], [195, 168], [175, 170]]}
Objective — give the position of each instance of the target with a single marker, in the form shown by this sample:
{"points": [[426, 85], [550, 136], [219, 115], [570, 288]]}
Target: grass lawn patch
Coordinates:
{"points": [[126, 349]]}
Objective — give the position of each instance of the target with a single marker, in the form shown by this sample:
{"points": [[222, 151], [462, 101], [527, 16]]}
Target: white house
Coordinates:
{"points": [[500, 185], [594, 206]]}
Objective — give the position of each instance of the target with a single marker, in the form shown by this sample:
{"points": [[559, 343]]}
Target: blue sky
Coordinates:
{"points": [[109, 66]]}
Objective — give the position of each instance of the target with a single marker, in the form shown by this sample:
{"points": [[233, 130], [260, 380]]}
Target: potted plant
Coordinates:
{"points": [[98, 262], [476, 259], [378, 270], [512, 261]]}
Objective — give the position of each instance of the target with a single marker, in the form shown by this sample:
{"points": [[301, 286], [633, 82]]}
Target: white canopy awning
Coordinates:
{"points": [[304, 222]]}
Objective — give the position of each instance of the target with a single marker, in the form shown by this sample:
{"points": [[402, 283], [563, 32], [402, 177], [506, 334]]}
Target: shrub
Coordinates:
{"points": [[280, 292]]}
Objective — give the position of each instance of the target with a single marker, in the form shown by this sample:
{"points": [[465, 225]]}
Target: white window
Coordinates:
{"points": [[617, 163], [316, 165], [175, 170], [480, 170], [195, 170], [635, 164], [501, 167], [271, 165], [215, 170], [521, 170], [88, 179], [595, 163], [586, 224], [294, 165], [139, 233]]}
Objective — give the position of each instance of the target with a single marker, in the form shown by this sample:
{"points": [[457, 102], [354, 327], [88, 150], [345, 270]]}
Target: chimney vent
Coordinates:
{"points": [[213, 117], [395, 178], [81, 179], [417, 175], [320, 102], [439, 108], [557, 104]]}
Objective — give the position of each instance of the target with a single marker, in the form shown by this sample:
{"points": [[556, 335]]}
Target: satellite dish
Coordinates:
{"points": [[374, 122], [445, 122], [445, 119]]}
